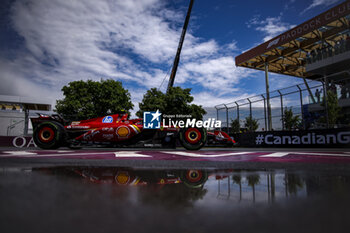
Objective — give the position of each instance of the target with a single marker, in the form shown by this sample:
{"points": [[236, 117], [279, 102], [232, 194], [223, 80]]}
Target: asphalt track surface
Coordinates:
{"points": [[279, 190], [332, 158]]}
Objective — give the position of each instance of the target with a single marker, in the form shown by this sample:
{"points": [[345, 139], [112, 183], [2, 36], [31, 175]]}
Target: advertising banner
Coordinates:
{"points": [[17, 141], [302, 138]]}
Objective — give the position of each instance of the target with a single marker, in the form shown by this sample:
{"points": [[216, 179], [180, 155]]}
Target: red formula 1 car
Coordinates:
{"points": [[125, 176], [52, 132], [220, 138]]}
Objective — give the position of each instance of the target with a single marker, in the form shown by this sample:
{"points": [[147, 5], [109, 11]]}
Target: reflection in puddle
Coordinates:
{"points": [[258, 186], [205, 187], [95, 199]]}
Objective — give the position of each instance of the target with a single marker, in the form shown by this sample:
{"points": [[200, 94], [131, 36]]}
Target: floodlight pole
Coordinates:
{"points": [[268, 96], [177, 57], [265, 112]]}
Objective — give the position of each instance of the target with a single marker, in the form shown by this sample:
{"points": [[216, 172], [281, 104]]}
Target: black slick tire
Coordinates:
{"points": [[49, 135]]}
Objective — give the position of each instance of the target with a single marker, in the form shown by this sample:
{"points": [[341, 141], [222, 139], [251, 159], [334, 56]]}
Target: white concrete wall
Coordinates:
{"points": [[8, 118]]}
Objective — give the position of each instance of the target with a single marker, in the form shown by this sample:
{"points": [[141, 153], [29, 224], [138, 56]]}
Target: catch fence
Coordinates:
{"points": [[306, 100]]}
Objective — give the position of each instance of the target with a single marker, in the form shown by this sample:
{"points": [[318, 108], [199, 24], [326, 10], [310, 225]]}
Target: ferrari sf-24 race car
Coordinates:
{"points": [[52, 132]]}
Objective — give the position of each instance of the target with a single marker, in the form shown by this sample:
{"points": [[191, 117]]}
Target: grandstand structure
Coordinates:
{"points": [[318, 49]]}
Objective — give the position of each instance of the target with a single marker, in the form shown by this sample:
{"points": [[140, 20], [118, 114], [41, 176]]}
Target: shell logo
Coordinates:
{"points": [[123, 131], [122, 177]]}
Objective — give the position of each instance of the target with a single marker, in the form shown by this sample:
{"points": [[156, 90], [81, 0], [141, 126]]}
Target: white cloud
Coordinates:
{"points": [[232, 46], [270, 27], [316, 3], [131, 41], [209, 99], [289, 4], [12, 79], [219, 74], [66, 41]]}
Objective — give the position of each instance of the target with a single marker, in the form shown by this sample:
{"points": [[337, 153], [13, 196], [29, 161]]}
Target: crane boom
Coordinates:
{"points": [[182, 38]]}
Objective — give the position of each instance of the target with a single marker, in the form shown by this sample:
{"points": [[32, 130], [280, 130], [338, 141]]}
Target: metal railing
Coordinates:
{"points": [[341, 46], [306, 100]]}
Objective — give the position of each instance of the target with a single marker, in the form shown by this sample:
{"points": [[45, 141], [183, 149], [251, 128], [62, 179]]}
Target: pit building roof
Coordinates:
{"points": [[286, 53]]}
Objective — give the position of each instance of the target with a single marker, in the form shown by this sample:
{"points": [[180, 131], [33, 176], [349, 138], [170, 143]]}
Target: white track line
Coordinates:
{"points": [[34, 154], [125, 154], [282, 154], [128, 154], [189, 154]]}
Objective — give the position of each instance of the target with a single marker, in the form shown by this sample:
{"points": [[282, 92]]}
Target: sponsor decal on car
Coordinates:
{"points": [[108, 136], [90, 135], [219, 136], [107, 119], [78, 127], [122, 131], [107, 129]]}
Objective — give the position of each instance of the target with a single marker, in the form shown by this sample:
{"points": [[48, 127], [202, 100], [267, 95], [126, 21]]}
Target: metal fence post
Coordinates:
{"points": [[237, 111], [310, 92], [217, 113], [250, 108], [325, 99], [228, 129], [282, 114], [301, 106]]}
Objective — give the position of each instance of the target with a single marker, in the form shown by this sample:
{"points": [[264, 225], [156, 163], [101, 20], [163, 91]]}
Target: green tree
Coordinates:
{"points": [[334, 111], [235, 125], [251, 124], [294, 182], [90, 99], [253, 180], [176, 101], [290, 121], [238, 180]]}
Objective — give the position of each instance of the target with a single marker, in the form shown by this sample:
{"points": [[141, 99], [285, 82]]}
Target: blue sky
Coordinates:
{"points": [[44, 44]]}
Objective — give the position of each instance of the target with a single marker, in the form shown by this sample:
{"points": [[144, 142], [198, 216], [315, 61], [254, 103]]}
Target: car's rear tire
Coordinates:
{"points": [[49, 135], [193, 138]]}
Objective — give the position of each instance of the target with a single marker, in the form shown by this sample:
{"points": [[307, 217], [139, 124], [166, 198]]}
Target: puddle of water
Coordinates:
{"points": [[95, 198]]}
